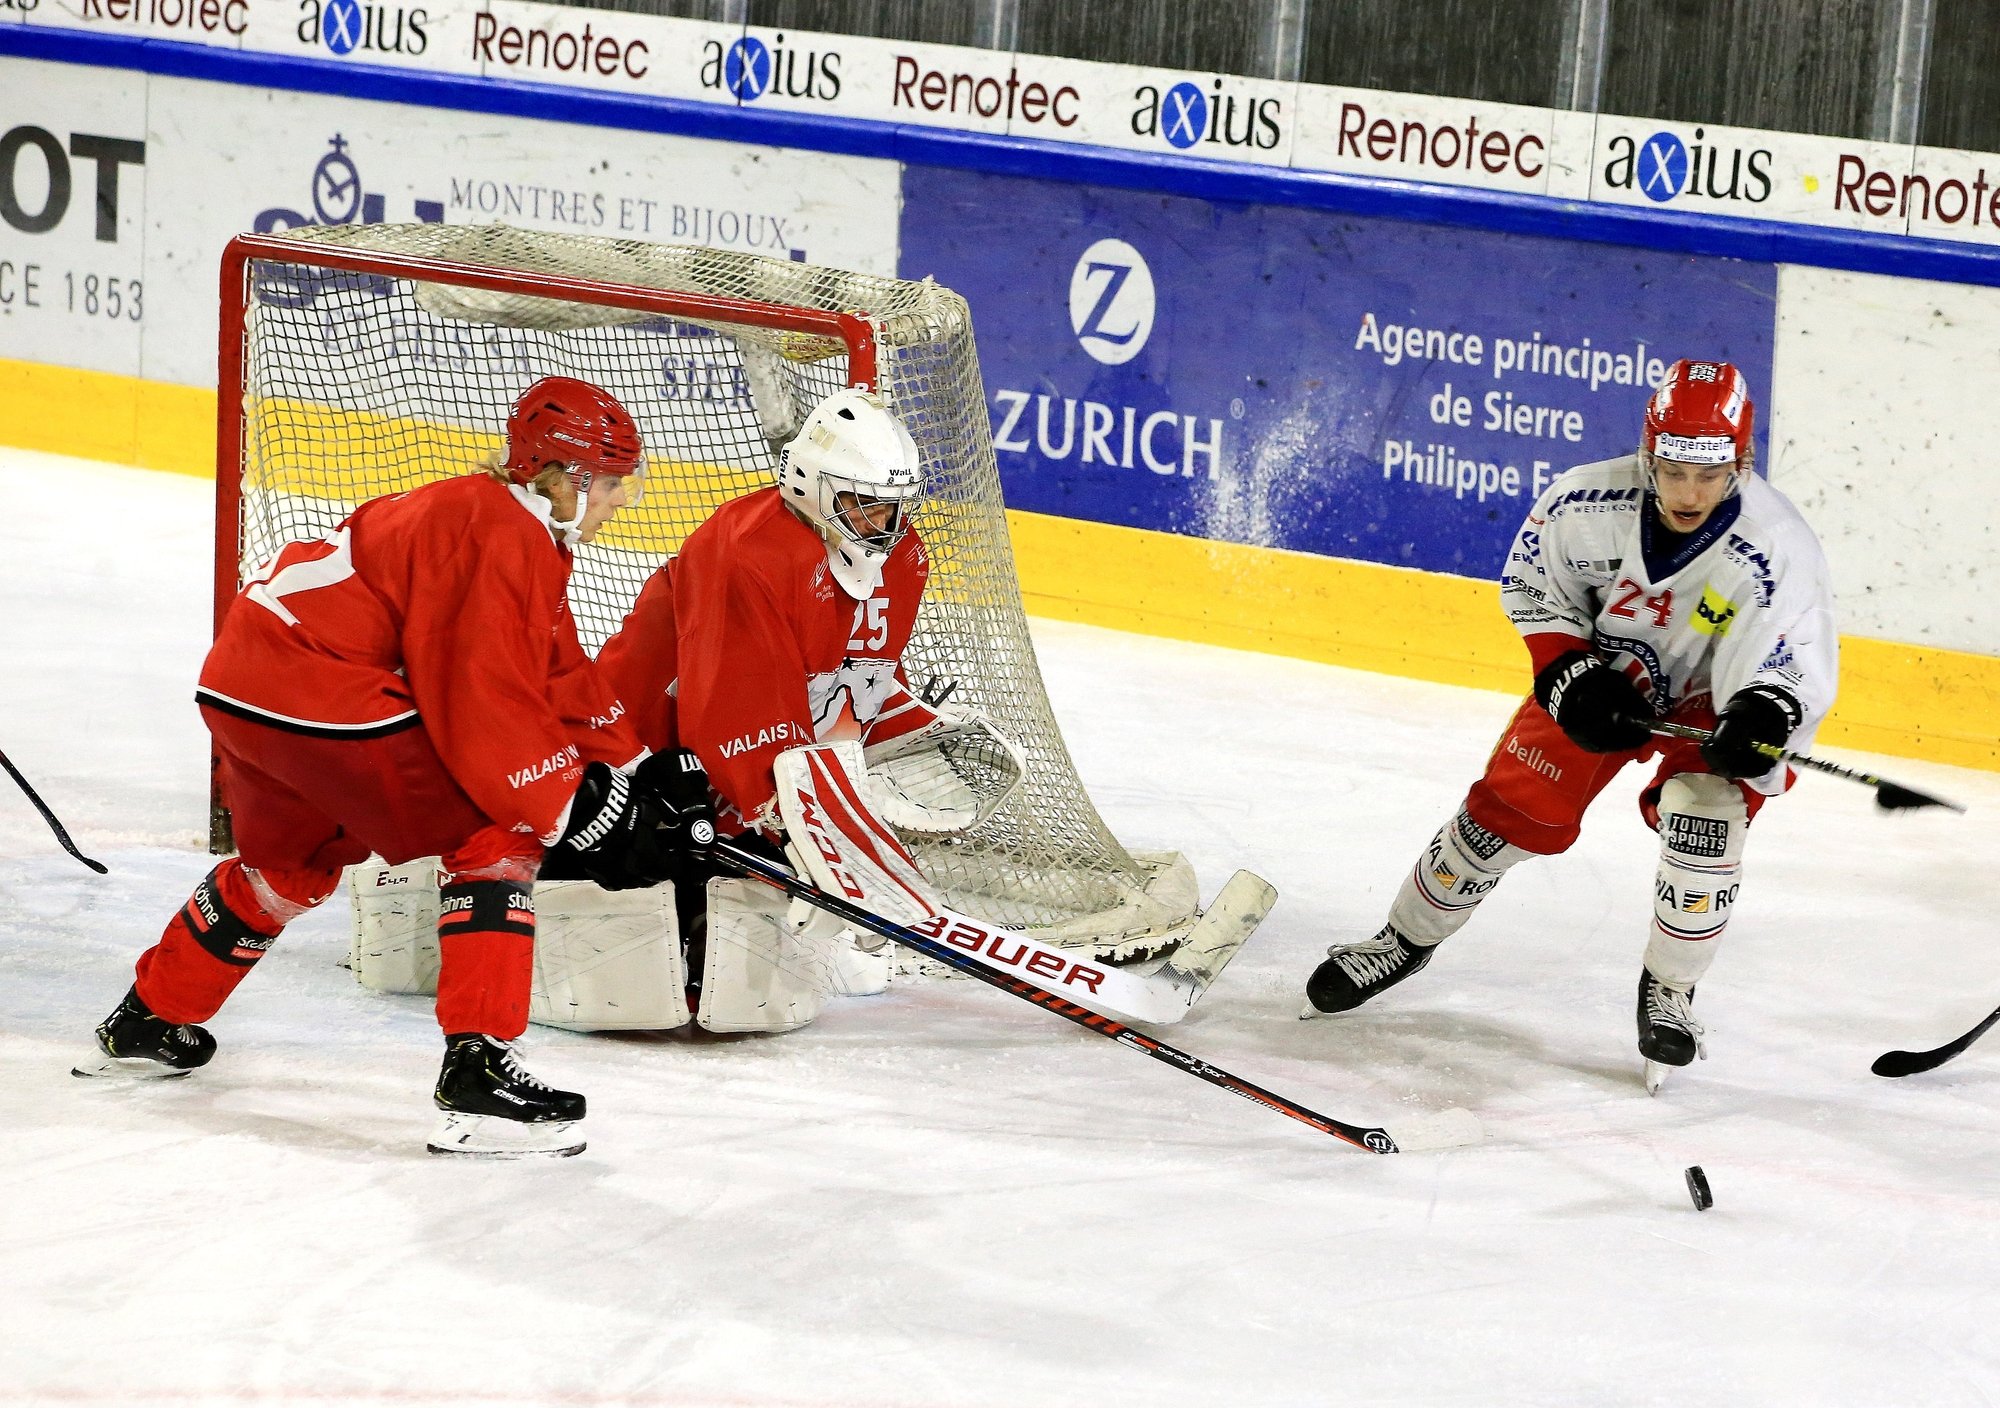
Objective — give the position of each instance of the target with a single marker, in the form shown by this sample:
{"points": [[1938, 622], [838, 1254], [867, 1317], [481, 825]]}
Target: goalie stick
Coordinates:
{"points": [[1441, 1131], [49, 816], [1889, 796], [1909, 1063]]}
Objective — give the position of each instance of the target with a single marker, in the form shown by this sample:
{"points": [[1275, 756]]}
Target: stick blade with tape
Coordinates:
{"points": [[1894, 797]]}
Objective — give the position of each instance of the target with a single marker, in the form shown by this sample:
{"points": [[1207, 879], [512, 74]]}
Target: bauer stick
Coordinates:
{"points": [[49, 816], [1910, 1063], [1441, 1131], [1889, 796]]}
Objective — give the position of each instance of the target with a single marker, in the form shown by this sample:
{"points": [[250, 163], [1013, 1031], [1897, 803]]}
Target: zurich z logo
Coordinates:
{"points": [[746, 69], [1663, 167], [1111, 302], [1183, 115], [340, 25]]}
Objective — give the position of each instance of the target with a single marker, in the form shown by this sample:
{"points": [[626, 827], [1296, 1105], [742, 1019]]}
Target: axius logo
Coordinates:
{"points": [[1663, 167], [750, 68], [1111, 302], [1185, 115], [346, 25]]}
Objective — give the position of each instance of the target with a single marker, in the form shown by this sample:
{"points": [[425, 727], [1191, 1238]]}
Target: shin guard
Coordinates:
{"points": [[1459, 868], [1703, 820], [486, 956]]}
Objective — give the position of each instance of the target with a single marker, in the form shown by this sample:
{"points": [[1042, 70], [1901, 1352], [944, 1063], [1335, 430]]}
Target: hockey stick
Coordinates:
{"points": [[49, 816], [1440, 1131], [1909, 1063], [1889, 796]]}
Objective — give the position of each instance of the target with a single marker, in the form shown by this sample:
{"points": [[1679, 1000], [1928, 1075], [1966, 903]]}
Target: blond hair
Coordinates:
{"points": [[489, 463]]}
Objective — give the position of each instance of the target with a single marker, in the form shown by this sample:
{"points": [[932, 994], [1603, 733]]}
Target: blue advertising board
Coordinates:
{"points": [[1356, 387]]}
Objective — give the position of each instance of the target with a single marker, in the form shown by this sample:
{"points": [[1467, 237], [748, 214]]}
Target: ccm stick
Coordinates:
{"points": [[49, 816], [1441, 1131], [1889, 796]]}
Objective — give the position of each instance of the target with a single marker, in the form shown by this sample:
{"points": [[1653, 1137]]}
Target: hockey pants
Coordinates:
{"points": [[1531, 801], [306, 807]]}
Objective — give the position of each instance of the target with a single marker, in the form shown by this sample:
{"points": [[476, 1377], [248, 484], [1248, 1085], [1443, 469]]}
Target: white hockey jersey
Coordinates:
{"points": [[1745, 599]]}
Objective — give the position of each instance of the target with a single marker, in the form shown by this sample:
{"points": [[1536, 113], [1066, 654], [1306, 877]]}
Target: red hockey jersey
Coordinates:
{"points": [[744, 646], [445, 607]]}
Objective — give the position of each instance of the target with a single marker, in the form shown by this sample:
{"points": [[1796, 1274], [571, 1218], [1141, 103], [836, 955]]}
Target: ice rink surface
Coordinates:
{"points": [[945, 1197]]}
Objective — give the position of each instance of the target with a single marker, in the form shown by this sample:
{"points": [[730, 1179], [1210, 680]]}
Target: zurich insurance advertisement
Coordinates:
{"points": [[1350, 386]]}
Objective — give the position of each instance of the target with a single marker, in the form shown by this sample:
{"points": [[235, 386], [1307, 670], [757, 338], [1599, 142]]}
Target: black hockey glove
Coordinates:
{"points": [[1598, 708], [1760, 714], [679, 784], [617, 834]]}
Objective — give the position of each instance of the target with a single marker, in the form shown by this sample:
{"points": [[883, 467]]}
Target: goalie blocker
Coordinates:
{"points": [[608, 962]]}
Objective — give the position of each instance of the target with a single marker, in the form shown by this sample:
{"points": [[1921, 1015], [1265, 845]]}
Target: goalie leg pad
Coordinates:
{"points": [[1703, 822], [759, 972], [608, 960], [604, 960], [845, 848]]}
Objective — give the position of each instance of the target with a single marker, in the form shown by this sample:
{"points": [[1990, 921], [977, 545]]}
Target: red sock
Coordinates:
{"points": [[486, 948], [207, 948]]}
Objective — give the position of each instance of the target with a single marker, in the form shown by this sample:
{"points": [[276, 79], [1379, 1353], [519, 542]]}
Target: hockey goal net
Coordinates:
{"points": [[363, 360]]}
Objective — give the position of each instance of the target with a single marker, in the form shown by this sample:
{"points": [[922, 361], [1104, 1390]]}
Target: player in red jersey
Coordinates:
{"points": [[778, 634], [412, 685]]}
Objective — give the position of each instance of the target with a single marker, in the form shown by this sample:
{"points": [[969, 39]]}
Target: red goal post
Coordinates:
{"points": [[356, 361]]}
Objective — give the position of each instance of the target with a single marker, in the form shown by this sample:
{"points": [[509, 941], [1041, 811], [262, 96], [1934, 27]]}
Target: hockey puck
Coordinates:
{"points": [[1697, 1182]]}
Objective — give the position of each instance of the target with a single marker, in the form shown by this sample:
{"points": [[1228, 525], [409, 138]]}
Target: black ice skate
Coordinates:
{"points": [[133, 1042], [1669, 1035], [1353, 973], [494, 1107]]}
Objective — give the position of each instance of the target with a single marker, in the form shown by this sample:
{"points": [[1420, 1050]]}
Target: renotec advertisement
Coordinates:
{"points": [[117, 195], [1648, 163]]}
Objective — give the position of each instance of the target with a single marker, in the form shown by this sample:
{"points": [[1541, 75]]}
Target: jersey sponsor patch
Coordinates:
{"points": [[1697, 835], [781, 732], [560, 761], [1713, 613]]}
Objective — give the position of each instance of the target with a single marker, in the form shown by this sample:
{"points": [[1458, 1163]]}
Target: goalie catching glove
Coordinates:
{"points": [[948, 776]]}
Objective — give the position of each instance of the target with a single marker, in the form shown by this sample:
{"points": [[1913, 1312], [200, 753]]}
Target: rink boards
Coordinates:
{"points": [[1296, 415]]}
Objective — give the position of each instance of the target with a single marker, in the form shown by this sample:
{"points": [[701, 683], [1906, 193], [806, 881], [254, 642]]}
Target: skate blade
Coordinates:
{"points": [[1656, 1076], [492, 1137], [127, 1068]]}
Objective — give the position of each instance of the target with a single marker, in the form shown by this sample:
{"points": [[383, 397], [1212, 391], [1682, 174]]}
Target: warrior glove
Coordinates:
{"points": [[1599, 709], [1760, 714], [618, 833]]}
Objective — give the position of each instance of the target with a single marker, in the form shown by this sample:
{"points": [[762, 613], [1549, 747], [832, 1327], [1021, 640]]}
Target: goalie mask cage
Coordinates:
{"points": [[362, 360]]}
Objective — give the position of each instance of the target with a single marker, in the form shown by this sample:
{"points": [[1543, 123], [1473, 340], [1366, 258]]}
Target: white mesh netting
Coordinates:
{"points": [[357, 385]]}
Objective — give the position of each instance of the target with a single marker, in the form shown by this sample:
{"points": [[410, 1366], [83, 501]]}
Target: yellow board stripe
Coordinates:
{"points": [[1906, 700]]}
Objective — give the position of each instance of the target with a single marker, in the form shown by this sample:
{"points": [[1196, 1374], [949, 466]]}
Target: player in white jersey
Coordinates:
{"points": [[1669, 584]]}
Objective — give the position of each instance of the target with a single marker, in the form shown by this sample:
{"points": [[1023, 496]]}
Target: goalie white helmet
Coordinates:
{"points": [[852, 473]]}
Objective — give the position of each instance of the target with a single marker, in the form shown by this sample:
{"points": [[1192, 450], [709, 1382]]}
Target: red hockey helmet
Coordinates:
{"points": [[1701, 414], [562, 421]]}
